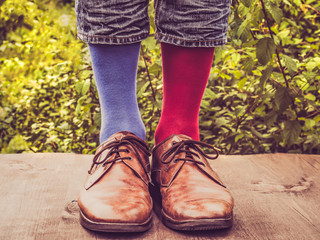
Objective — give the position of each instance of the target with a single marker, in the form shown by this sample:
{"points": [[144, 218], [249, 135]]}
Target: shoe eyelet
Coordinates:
{"points": [[127, 151], [130, 158], [175, 161]]}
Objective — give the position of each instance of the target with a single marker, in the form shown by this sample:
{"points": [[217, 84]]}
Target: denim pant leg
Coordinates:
{"points": [[192, 23], [112, 21]]}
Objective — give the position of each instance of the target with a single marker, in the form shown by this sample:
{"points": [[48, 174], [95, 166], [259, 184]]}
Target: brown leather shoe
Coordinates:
{"points": [[115, 197], [193, 196]]}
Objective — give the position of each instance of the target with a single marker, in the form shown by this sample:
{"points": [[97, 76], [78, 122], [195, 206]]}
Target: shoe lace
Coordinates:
{"points": [[114, 146], [186, 146]]}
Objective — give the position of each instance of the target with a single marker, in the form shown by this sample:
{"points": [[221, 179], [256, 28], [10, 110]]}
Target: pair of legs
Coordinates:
{"points": [[116, 195], [188, 31], [185, 75]]}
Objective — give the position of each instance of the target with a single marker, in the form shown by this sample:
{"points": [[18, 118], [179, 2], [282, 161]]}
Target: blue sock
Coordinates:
{"points": [[115, 70]]}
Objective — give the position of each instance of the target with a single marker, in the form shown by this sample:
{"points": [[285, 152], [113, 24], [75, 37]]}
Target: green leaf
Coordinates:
{"points": [[205, 104], [242, 82], [239, 137], [17, 145], [245, 25], [265, 76], [275, 11], [297, 2], [155, 68], [283, 98], [206, 123], [93, 144], [256, 133], [270, 118], [283, 34], [291, 131], [248, 65], [311, 65], [97, 119], [85, 87], [222, 121], [290, 64], [44, 103], [64, 126], [79, 87], [79, 103], [209, 94], [317, 118], [142, 89], [150, 43], [264, 50], [247, 3], [310, 97], [3, 114], [240, 110]]}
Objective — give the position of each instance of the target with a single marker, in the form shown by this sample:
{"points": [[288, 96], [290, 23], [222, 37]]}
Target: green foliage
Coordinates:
{"points": [[264, 50], [262, 95], [41, 71]]}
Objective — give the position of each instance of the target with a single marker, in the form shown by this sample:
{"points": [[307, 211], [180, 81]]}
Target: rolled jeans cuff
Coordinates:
{"points": [[187, 23], [190, 43], [96, 39], [112, 21]]}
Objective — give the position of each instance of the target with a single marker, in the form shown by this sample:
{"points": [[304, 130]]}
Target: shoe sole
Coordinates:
{"points": [[197, 224], [114, 227]]}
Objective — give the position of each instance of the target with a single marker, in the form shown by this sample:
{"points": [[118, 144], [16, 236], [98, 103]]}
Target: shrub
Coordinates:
{"points": [[262, 95]]}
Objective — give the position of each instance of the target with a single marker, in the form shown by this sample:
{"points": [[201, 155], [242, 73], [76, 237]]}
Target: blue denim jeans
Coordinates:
{"points": [[187, 23]]}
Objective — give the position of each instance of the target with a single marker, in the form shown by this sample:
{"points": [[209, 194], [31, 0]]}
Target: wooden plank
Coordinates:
{"points": [[276, 196]]}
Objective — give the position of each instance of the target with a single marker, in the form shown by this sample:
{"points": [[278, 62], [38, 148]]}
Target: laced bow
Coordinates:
{"points": [[135, 143], [186, 146]]}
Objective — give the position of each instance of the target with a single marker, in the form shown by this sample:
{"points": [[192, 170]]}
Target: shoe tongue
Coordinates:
{"points": [[180, 137], [114, 137], [120, 135]]}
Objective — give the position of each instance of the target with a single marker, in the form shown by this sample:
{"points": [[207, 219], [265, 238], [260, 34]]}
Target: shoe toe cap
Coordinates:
{"points": [[207, 210], [116, 210]]}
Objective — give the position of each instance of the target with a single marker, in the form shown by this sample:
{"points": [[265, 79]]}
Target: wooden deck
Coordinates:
{"points": [[277, 196]]}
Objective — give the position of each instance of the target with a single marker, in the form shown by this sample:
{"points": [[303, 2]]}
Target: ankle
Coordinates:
{"points": [[136, 127], [166, 129]]}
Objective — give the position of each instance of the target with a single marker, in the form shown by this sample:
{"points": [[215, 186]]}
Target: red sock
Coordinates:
{"points": [[185, 76]]}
